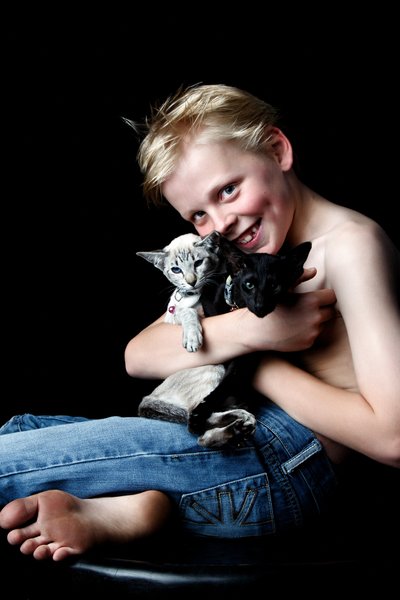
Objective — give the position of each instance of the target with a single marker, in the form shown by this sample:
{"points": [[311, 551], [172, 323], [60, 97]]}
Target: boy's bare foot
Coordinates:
{"points": [[61, 525]]}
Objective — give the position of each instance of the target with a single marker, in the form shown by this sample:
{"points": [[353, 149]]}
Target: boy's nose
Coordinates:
{"points": [[225, 223]]}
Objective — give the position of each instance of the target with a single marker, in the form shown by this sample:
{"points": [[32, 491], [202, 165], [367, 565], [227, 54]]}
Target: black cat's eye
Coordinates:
{"points": [[249, 285], [176, 270]]}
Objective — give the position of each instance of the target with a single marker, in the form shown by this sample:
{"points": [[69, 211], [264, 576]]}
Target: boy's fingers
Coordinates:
{"points": [[308, 273]]}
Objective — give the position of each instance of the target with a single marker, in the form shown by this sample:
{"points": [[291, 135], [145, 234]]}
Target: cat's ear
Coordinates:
{"points": [[210, 241], [156, 257], [296, 258], [235, 259], [300, 253]]}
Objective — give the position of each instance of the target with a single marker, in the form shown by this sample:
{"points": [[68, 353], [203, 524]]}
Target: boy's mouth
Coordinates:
{"points": [[248, 236]]}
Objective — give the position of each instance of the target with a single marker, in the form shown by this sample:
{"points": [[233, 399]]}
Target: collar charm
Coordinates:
{"points": [[228, 293]]}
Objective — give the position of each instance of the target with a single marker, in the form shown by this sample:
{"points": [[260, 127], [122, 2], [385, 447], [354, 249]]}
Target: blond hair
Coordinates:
{"points": [[209, 112]]}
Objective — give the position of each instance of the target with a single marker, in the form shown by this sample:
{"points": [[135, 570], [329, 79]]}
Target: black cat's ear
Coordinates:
{"points": [[233, 257], [301, 252], [211, 242], [295, 259], [156, 257]]}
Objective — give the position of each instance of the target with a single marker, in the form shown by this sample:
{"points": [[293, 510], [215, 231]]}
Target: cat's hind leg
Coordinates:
{"points": [[224, 397], [229, 427]]}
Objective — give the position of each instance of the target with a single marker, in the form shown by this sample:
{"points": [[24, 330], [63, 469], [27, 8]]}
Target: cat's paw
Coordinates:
{"points": [[230, 427], [192, 340]]}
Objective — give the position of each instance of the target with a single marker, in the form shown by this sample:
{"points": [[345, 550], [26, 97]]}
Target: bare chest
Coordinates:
{"points": [[330, 358]]}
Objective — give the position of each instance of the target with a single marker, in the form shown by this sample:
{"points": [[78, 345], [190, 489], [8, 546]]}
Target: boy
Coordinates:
{"points": [[330, 373]]}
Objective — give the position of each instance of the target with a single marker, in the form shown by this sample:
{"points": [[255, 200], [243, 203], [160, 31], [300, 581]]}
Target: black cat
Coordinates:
{"points": [[259, 282]]}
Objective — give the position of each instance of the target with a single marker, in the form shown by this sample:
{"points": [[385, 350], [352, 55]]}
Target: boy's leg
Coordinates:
{"points": [[114, 456], [25, 422], [279, 477]]}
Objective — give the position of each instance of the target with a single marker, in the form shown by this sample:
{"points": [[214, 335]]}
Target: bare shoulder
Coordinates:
{"points": [[362, 265], [360, 242], [349, 247]]}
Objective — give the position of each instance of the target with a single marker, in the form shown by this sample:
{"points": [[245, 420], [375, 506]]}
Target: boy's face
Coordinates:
{"points": [[243, 195]]}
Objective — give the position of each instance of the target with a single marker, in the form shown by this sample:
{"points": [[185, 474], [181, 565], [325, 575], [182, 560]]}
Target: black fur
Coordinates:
{"points": [[259, 282]]}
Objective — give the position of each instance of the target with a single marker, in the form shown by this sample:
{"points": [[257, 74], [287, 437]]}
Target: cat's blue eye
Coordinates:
{"points": [[176, 270]]}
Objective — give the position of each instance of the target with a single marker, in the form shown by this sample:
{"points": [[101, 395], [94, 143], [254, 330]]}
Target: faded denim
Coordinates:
{"points": [[275, 482]]}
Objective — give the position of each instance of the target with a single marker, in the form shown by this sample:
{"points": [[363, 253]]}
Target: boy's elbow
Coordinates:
{"points": [[394, 457], [131, 368], [388, 452], [133, 365]]}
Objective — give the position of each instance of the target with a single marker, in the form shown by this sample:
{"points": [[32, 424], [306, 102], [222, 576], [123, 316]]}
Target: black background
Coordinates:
{"points": [[73, 211]]}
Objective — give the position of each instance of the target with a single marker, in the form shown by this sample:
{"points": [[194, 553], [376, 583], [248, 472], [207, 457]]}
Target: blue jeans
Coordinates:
{"points": [[277, 481]]}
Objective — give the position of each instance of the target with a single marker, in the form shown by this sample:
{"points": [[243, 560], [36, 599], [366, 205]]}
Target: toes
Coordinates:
{"points": [[30, 546], [40, 547], [64, 552], [53, 550], [41, 552], [18, 511], [17, 536]]}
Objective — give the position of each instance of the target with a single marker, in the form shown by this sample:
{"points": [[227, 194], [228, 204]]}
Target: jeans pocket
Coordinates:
{"points": [[235, 509]]}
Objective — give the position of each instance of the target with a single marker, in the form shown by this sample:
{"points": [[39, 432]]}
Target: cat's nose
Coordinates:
{"points": [[191, 279]]}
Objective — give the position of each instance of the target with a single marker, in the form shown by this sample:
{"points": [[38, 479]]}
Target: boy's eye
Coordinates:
{"points": [[197, 216], [228, 190]]}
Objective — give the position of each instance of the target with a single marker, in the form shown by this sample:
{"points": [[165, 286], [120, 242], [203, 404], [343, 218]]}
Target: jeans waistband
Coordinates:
{"points": [[275, 424]]}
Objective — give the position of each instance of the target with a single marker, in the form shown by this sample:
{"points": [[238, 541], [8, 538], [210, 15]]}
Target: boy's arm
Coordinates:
{"points": [[157, 351], [363, 268]]}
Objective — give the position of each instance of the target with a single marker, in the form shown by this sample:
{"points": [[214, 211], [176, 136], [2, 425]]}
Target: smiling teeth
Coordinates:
{"points": [[250, 236]]}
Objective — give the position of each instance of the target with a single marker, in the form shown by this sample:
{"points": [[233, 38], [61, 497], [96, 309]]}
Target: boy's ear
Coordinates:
{"points": [[278, 144]]}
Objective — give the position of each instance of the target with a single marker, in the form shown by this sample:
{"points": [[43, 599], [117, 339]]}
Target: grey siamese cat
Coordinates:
{"points": [[212, 276]]}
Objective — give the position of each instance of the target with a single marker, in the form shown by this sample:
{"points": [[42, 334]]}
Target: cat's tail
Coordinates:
{"points": [[154, 408]]}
